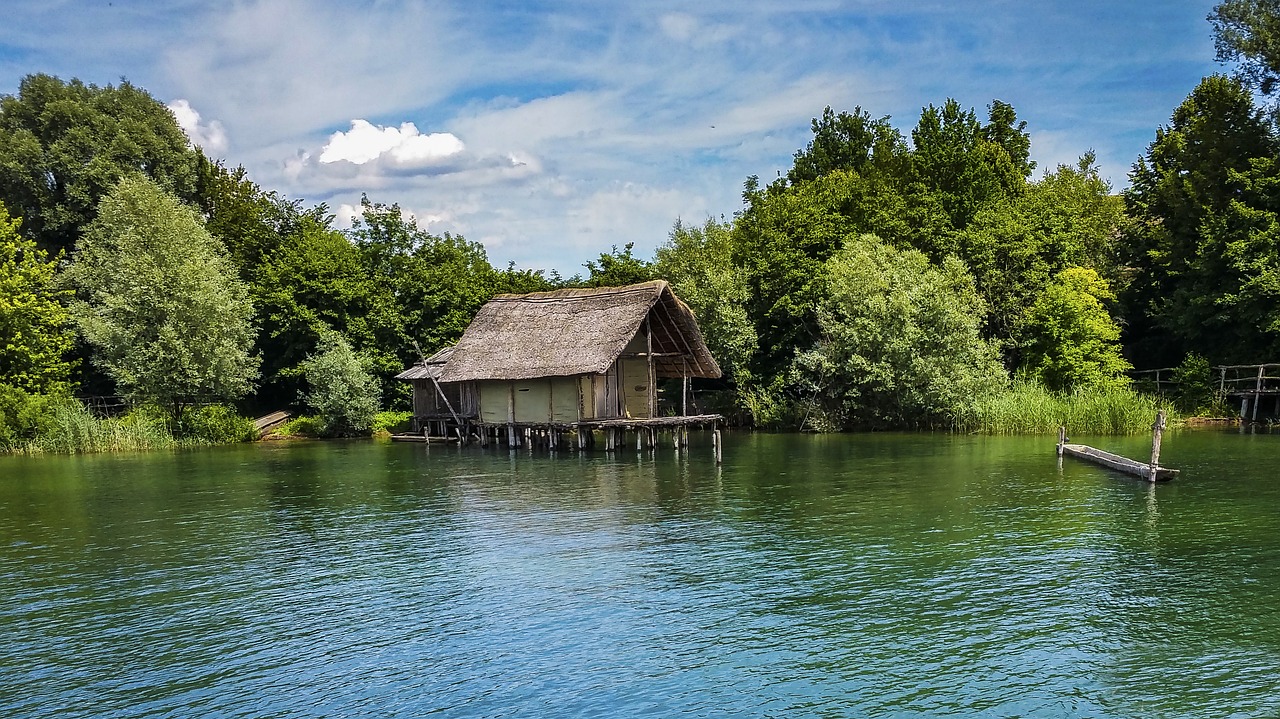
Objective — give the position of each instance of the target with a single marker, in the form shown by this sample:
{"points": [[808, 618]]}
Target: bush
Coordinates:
{"points": [[901, 343], [390, 421], [23, 415], [301, 427], [343, 393], [214, 424]]}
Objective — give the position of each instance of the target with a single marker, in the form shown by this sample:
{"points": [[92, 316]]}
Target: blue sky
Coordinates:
{"points": [[550, 131]]}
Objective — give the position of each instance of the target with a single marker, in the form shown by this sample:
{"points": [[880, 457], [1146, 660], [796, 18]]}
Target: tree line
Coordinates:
{"points": [[889, 278]]}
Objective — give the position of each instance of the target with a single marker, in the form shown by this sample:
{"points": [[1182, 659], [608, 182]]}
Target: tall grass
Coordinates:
{"points": [[66, 427], [1029, 408], [69, 429]]}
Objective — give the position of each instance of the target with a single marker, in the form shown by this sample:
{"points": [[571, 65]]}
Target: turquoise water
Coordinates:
{"points": [[866, 575]]}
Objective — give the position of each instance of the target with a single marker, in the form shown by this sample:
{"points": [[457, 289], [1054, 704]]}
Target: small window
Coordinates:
{"points": [[641, 387]]}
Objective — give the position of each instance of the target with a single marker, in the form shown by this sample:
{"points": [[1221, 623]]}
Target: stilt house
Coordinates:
{"points": [[572, 358]]}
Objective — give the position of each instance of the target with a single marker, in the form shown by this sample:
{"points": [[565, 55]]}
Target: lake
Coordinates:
{"points": [[809, 576]]}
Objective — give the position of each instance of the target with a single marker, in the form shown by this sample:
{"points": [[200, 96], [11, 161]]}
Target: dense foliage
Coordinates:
{"points": [[160, 303], [893, 276], [34, 325], [342, 393]]}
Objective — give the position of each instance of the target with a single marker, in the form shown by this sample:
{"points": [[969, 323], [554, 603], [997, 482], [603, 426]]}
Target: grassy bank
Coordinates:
{"points": [[66, 427], [1030, 408]]}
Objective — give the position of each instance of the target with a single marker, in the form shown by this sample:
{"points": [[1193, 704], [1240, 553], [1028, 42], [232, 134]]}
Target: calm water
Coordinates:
{"points": [[809, 577]]}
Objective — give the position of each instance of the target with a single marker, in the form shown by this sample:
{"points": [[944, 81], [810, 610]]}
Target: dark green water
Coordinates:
{"points": [[917, 575]]}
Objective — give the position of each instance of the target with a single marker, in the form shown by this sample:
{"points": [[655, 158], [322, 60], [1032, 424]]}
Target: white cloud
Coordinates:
{"points": [[209, 135], [403, 146]]}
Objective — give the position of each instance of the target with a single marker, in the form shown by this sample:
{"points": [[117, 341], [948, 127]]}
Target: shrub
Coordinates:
{"points": [[390, 421], [214, 424], [343, 393]]}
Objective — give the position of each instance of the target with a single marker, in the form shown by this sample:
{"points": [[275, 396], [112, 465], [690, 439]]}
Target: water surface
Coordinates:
{"points": [[866, 575]]}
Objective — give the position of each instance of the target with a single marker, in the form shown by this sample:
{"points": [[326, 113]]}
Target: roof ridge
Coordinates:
{"points": [[583, 292]]}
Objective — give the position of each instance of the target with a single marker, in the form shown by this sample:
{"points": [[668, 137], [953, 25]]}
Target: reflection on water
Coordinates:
{"points": [[878, 575]]}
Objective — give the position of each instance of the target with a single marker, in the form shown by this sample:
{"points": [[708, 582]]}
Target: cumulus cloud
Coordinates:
{"points": [[209, 135], [403, 146]]}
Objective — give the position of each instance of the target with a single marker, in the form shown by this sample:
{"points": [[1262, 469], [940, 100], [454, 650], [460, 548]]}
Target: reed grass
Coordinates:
{"points": [[67, 427], [1027, 407], [71, 429]]}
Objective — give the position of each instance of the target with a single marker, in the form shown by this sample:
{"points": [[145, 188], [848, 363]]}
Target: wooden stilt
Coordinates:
{"points": [[1062, 439], [715, 444], [1157, 433]]}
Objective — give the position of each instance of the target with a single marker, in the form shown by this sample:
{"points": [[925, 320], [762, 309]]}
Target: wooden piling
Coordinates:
{"points": [[1062, 439], [715, 444], [1157, 434]]}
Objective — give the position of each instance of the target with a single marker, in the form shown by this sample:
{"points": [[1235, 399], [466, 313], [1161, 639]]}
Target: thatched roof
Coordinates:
{"points": [[572, 332], [428, 368]]}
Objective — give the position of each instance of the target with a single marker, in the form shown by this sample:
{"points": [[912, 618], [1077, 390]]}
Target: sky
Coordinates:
{"points": [[552, 131]]}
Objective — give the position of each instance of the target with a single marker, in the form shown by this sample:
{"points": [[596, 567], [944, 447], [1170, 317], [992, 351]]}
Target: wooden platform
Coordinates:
{"points": [[274, 419], [696, 420], [420, 438], [1118, 463]]}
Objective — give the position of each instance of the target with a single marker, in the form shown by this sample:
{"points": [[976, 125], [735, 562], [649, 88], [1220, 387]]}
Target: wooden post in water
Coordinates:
{"points": [[716, 444], [1157, 433], [1062, 439]]}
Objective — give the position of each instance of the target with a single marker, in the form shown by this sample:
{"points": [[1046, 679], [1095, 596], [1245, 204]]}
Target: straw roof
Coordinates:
{"points": [[429, 368], [572, 332]]}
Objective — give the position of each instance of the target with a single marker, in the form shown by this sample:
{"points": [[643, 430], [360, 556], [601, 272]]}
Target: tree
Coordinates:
{"points": [[428, 286], [1074, 342], [965, 165], [159, 301], [342, 393], [618, 269], [848, 141], [1015, 247], [698, 262], [315, 283], [900, 341], [1199, 247], [251, 222], [64, 145], [1248, 32], [35, 334]]}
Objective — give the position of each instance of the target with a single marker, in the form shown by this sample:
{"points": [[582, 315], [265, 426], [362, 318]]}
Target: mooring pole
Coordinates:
{"points": [[1157, 432], [1062, 439]]}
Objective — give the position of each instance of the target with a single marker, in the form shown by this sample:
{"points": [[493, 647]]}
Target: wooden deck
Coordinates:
{"points": [[696, 420], [1118, 463]]}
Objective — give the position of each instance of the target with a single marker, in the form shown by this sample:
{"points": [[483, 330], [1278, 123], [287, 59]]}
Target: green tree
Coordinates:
{"points": [[1015, 247], [1199, 247], [900, 342], [852, 142], [618, 269], [698, 262], [252, 223], [958, 164], [1248, 32], [429, 286], [1074, 342], [160, 303], [342, 392], [64, 145], [35, 334], [316, 282]]}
